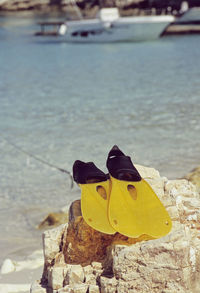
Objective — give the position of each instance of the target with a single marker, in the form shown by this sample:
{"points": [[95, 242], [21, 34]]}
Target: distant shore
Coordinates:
{"points": [[87, 9], [67, 10]]}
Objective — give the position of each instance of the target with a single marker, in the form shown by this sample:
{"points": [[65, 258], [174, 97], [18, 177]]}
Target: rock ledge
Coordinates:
{"points": [[79, 259]]}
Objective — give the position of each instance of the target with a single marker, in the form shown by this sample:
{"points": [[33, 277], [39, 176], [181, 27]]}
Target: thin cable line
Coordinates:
{"points": [[39, 159]]}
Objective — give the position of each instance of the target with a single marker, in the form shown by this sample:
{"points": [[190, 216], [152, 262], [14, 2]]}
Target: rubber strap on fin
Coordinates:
{"points": [[121, 166], [82, 172]]}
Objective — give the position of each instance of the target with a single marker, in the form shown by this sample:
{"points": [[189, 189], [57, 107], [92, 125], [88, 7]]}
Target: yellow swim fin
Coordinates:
{"points": [[95, 192], [134, 208]]}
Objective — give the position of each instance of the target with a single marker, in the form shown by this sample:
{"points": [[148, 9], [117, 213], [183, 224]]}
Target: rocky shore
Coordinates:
{"points": [[20, 5], [80, 259], [47, 5], [88, 9]]}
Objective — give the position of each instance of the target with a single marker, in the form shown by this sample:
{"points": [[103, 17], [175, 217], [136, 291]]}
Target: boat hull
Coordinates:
{"points": [[123, 29]]}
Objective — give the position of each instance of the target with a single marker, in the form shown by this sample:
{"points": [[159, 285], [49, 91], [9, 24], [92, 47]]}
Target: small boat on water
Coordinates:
{"points": [[109, 26]]}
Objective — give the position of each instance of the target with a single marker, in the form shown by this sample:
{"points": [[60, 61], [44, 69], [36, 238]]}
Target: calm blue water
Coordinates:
{"points": [[63, 102]]}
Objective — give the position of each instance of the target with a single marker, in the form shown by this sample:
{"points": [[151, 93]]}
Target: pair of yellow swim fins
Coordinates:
{"points": [[120, 201]]}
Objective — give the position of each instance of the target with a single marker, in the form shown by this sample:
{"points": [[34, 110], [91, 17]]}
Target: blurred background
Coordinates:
{"points": [[63, 101]]}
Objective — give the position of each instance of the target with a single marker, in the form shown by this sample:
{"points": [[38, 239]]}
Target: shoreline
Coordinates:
{"points": [[17, 276], [20, 281]]}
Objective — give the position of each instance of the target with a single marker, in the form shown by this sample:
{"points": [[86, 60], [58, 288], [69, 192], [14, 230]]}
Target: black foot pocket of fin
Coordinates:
{"points": [[87, 173], [120, 166]]}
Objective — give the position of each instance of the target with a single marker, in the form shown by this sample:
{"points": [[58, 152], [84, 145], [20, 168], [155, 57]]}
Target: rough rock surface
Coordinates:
{"points": [[79, 259], [18, 5], [194, 177]]}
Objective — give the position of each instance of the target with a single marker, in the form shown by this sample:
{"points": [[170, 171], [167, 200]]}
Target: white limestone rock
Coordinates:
{"points": [[51, 242], [108, 285], [147, 172], [77, 288], [36, 287], [90, 277], [74, 275], [97, 268], [8, 266], [66, 289], [156, 265], [56, 276], [93, 289], [180, 187], [80, 288], [170, 264], [173, 212]]}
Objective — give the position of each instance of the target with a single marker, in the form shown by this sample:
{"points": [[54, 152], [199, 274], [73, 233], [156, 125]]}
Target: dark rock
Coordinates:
{"points": [[53, 220]]}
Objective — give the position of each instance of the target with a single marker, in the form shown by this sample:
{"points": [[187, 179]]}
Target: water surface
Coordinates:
{"points": [[63, 102]]}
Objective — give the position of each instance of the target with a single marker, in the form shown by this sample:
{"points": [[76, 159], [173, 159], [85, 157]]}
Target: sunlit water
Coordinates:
{"points": [[63, 102]]}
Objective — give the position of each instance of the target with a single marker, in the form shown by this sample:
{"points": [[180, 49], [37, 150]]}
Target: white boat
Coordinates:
{"points": [[108, 26]]}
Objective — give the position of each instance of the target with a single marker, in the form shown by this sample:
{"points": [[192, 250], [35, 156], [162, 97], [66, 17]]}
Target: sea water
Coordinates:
{"points": [[62, 102]]}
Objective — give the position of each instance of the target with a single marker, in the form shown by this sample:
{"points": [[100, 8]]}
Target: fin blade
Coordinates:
{"points": [[138, 213], [94, 206]]}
